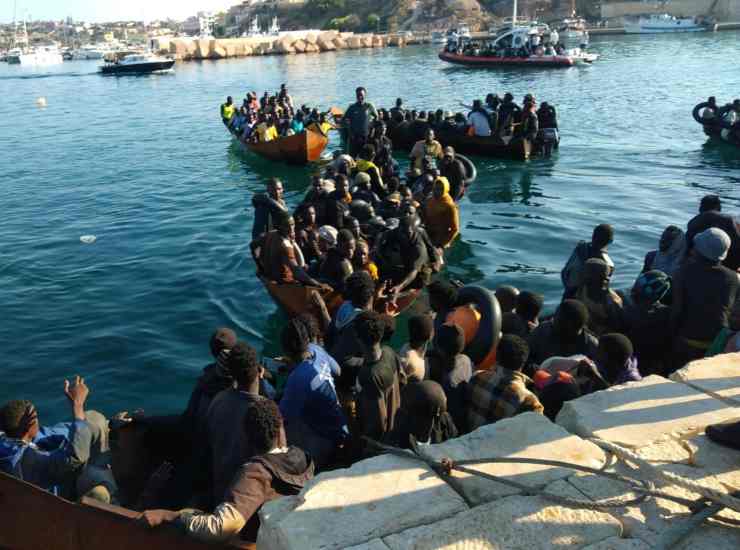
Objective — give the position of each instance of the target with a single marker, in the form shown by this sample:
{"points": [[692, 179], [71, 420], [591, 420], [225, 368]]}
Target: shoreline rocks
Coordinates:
{"points": [[193, 49]]}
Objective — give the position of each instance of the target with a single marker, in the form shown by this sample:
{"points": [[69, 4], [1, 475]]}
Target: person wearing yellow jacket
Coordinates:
{"points": [[441, 215]]}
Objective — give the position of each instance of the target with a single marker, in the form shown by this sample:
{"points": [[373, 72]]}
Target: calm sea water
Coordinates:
{"points": [[144, 164]]}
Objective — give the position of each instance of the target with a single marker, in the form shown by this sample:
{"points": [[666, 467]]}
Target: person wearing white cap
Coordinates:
{"points": [[703, 296]]}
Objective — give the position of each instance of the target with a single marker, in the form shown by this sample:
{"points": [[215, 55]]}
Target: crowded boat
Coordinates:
{"points": [[721, 122], [497, 126], [364, 243]]}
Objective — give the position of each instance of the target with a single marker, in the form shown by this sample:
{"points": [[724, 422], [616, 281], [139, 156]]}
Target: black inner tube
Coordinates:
{"points": [[695, 113], [470, 170]]}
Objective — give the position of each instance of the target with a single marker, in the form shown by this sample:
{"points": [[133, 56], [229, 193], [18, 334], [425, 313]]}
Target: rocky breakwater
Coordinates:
{"points": [[185, 49], [394, 503]]}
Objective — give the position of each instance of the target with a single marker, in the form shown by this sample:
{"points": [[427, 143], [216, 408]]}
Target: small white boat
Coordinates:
{"points": [[661, 23], [138, 64], [37, 55], [573, 30]]}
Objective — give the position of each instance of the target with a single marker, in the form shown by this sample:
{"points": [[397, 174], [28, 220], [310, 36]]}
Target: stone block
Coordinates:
{"points": [[718, 376], [203, 49], [354, 42], [374, 498], [325, 45], [528, 435], [284, 46], [639, 413], [529, 523]]}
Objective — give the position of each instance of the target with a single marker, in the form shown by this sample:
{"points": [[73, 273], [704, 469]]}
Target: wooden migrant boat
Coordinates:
{"points": [[488, 146], [34, 519], [296, 149], [295, 298]]}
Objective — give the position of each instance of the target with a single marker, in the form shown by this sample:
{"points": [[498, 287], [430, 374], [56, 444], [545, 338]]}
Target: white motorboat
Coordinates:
{"points": [[660, 23], [573, 30], [37, 55], [138, 64]]}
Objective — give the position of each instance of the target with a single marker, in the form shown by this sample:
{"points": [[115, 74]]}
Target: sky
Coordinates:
{"points": [[108, 10]]}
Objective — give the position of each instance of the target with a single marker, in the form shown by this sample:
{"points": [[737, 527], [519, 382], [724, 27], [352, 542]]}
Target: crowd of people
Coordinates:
{"points": [[254, 430], [271, 117], [499, 117]]}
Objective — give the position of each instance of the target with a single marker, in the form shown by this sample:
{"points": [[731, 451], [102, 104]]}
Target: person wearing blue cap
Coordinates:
{"points": [[703, 296]]}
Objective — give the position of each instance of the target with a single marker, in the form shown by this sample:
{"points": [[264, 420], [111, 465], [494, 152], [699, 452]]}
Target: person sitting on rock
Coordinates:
{"points": [[413, 353], [564, 335], [314, 420], [670, 253], [502, 391], [273, 471], [379, 397], [648, 321], [452, 369], [55, 458], [704, 293], [605, 307], [423, 415], [616, 361], [572, 273], [528, 308]]}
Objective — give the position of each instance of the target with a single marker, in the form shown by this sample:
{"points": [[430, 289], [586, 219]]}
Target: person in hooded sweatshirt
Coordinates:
{"points": [[441, 215], [273, 471], [52, 457]]}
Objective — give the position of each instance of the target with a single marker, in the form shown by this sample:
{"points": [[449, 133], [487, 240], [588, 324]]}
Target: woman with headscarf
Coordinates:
{"points": [[670, 252], [441, 215]]}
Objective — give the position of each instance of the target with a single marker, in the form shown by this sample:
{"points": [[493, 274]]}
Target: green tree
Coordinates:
{"points": [[373, 22]]}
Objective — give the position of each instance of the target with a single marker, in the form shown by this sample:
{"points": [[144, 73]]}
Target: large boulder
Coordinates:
{"points": [[638, 413], [374, 498], [325, 44], [178, 49], [203, 48], [718, 376], [299, 46], [218, 52]]}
